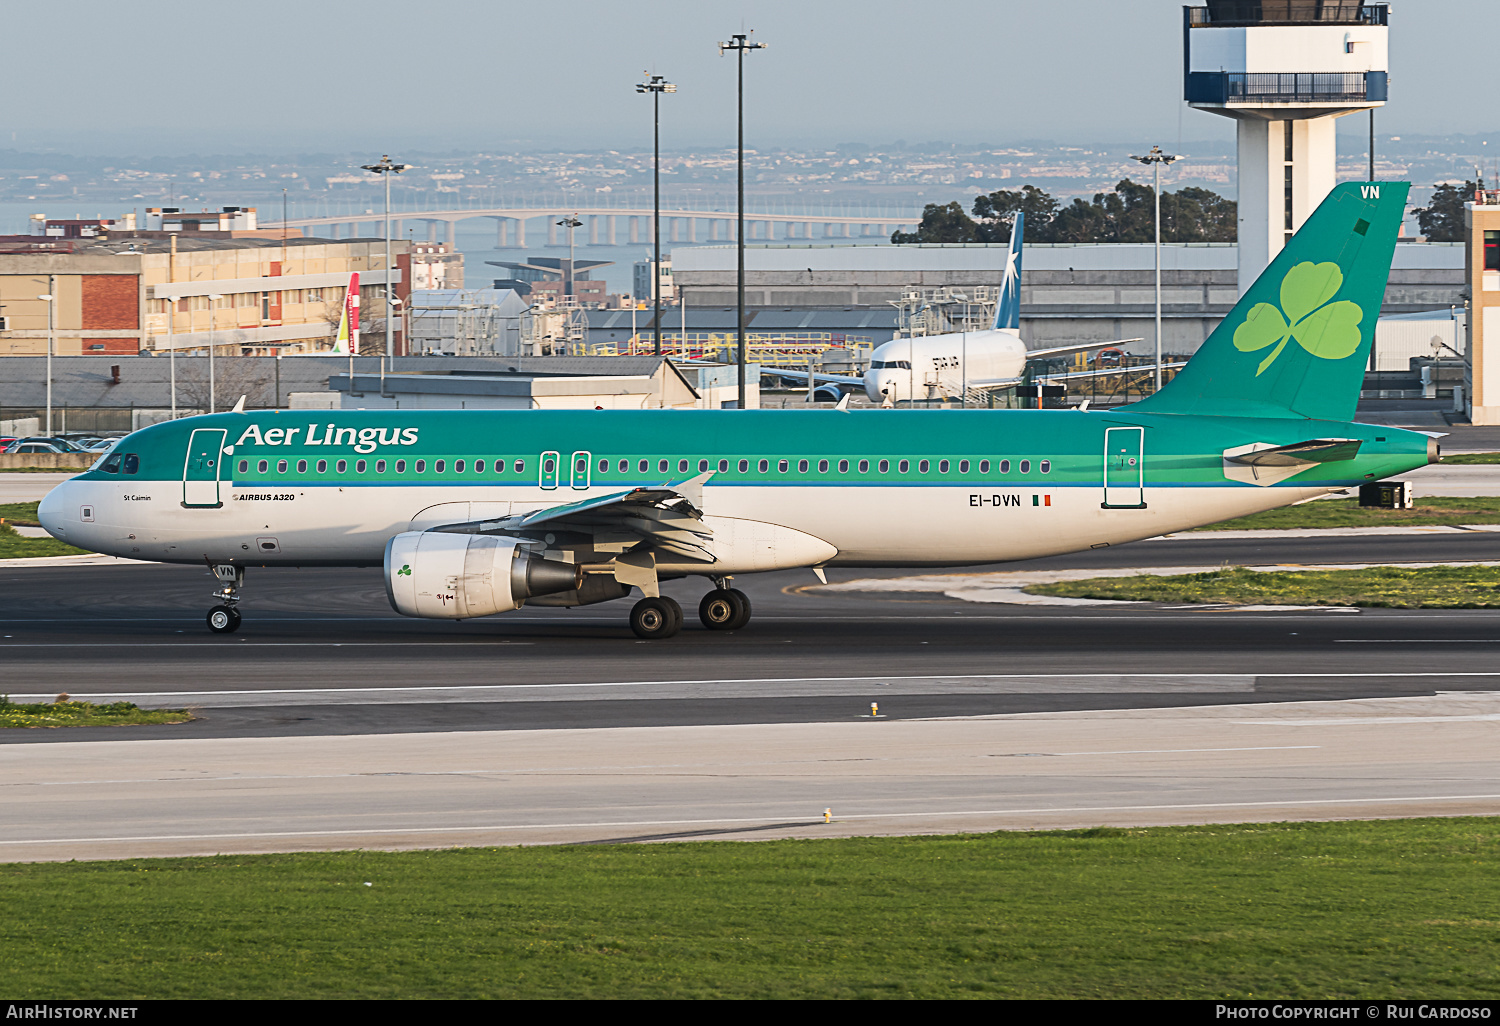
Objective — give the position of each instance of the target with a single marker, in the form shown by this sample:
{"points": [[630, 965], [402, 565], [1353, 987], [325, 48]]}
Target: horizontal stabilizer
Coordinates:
{"points": [[1300, 454]]}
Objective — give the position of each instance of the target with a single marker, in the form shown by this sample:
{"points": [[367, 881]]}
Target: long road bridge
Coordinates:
{"points": [[611, 226]]}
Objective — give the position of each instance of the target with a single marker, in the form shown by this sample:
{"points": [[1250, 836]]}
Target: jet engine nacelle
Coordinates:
{"points": [[458, 576]]}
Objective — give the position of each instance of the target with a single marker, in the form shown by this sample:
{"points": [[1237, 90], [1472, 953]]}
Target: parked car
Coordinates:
{"points": [[62, 444], [32, 447], [102, 445]]}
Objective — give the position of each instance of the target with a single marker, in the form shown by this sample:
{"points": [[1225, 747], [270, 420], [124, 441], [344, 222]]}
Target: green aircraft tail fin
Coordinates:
{"points": [[1297, 342]]}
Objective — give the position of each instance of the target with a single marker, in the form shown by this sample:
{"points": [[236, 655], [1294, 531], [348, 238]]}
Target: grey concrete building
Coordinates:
{"points": [[1069, 293]]}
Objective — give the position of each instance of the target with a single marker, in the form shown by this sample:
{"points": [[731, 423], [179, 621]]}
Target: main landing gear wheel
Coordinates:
{"points": [[653, 618], [724, 609], [224, 619]]}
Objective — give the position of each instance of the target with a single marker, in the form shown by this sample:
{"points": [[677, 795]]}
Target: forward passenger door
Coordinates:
{"points": [[202, 469]]}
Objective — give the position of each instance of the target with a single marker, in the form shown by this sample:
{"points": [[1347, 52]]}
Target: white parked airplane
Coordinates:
{"points": [[948, 365]]}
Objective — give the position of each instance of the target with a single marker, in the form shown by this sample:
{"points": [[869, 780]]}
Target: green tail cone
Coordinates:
{"points": [[1297, 343]]}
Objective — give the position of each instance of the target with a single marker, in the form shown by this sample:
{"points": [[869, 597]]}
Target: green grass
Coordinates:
{"points": [[20, 513], [1473, 457], [69, 713], [13, 546], [1427, 512], [1386, 909], [1442, 587]]}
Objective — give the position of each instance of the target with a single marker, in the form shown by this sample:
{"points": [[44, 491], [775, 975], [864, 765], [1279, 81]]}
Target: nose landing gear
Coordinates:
{"points": [[225, 618]]}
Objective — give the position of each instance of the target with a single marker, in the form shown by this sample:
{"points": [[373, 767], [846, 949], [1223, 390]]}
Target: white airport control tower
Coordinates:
{"points": [[1284, 70]]}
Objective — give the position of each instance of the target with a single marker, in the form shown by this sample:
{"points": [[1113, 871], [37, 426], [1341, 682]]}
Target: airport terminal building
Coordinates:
{"points": [[1069, 292]]}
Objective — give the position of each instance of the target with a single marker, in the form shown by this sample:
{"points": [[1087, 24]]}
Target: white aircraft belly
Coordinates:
{"points": [[965, 524]]}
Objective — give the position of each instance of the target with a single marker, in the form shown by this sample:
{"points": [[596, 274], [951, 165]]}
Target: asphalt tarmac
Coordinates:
{"points": [[868, 775], [321, 652], [328, 721]]}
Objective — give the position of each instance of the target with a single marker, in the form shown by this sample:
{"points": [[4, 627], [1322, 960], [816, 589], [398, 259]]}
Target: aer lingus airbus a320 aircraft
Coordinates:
{"points": [[477, 512]]}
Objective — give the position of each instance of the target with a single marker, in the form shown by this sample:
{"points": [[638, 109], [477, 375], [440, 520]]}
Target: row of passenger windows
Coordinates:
{"points": [[549, 466], [362, 466], [803, 466]]}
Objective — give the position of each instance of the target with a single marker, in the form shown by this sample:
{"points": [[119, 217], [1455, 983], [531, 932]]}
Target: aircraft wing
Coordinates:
{"points": [[1043, 354], [794, 375], [987, 383], [668, 518], [1147, 367]]}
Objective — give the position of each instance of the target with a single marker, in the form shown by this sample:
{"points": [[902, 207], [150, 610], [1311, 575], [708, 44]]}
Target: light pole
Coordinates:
{"points": [[656, 85], [385, 168], [570, 222], [740, 43], [172, 350], [213, 316], [1156, 158], [51, 300]]}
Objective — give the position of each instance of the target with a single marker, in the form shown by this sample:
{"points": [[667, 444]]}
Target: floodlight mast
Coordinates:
{"points": [[384, 168], [213, 314], [570, 222], [1156, 158], [739, 43], [656, 85], [50, 298]]}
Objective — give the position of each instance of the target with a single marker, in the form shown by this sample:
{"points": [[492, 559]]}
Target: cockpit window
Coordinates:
{"points": [[111, 463], [132, 463]]}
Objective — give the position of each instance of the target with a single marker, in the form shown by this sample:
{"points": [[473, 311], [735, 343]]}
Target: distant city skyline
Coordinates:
{"points": [[172, 77]]}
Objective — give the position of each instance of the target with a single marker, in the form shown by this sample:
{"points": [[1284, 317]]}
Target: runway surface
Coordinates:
{"points": [[329, 721], [321, 651]]}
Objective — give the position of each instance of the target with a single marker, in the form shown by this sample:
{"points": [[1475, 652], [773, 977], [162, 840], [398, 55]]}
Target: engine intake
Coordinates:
{"points": [[459, 576]]}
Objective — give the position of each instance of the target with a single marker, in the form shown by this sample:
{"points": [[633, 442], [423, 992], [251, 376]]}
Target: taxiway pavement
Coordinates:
{"points": [[1230, 763], [329, 721]]}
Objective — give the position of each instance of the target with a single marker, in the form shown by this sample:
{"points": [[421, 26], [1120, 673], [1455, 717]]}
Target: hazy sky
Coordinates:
{"points": [[180, 76]]}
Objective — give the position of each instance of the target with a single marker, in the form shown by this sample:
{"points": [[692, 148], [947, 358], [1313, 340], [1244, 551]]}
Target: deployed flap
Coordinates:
{"points": [[1317, 450], [665, 517]]}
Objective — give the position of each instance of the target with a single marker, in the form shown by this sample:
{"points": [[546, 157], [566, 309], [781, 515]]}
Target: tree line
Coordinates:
{"points": [[1442, 220], [1127, 214]]}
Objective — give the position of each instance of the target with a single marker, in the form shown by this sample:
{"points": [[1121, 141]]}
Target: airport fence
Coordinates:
{"points": [[776, 349]]}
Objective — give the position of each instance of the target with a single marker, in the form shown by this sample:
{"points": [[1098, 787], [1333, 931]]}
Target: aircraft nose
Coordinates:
{"points": [[50, 511]]}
